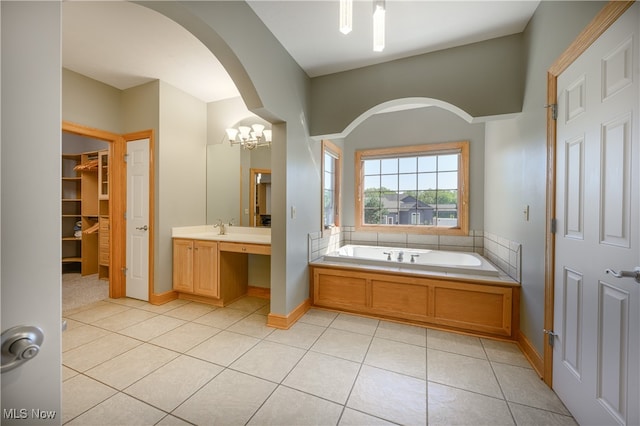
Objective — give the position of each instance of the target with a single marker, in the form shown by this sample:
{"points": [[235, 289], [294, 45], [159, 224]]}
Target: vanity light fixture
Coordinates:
{"points": [[379, 9], [346, 16], [249, 137]]}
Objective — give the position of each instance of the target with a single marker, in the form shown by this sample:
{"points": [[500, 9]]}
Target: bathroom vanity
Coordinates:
{"points": [[212, 268]]}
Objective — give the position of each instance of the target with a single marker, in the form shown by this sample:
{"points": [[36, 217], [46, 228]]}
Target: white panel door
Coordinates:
{"points": [[30, 207], [596, 319], [138, 219]]}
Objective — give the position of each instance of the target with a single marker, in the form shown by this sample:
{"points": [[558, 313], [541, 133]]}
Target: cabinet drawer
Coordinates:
{"points": [[246, 248]]}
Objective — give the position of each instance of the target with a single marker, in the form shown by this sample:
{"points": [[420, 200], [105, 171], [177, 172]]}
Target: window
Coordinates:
{"points": [[331, 166], [421, 189]]}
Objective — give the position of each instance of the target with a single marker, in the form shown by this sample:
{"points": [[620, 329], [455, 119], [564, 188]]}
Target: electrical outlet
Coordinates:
{"points": [[293, 212], [525, 212]]}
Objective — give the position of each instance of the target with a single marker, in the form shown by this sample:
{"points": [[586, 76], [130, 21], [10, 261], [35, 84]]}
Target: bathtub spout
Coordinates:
{"points": [[401, 256]]}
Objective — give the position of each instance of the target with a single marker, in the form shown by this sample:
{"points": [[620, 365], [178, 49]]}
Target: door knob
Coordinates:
{"points": [[142, 228], [635, 274], [19, 345]]}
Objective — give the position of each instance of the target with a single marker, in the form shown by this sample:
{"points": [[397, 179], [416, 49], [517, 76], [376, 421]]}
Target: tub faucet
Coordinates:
{"points": [[413, 257], [388, 253], [401, 256]]}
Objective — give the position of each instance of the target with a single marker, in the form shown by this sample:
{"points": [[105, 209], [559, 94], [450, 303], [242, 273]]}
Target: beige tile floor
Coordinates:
{"points": [[127, 362]]}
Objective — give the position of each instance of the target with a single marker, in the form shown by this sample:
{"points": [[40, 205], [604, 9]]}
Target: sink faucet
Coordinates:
{"points": [[221, 227]]}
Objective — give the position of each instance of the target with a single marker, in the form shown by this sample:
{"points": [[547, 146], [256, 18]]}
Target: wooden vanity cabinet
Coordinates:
{"points": [[213, 272], [205, 267], [195, 267]]}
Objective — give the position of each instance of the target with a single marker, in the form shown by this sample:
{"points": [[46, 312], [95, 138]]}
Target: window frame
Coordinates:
{"points": [[334, 151], [461, 147]]}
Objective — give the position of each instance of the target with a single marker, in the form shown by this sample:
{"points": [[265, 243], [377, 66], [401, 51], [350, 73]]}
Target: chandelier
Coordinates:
{"points": [[249, 137], [379, 9]]}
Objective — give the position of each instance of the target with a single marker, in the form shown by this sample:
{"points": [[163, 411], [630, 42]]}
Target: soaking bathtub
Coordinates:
{"points": [[420, 259], [453, 290]]}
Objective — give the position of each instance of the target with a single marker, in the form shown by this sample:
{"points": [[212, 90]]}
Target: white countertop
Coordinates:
{"points": [[234, 234]]}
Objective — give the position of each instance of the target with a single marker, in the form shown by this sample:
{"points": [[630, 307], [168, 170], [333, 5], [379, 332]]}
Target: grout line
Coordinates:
{"points": [[331, 325]]}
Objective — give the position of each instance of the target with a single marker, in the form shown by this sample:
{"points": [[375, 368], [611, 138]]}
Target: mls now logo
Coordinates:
{"points": [[15, 413], [23, 413]]}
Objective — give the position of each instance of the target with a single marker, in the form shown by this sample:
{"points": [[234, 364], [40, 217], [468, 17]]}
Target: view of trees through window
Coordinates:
{"points": [[412, 190]]}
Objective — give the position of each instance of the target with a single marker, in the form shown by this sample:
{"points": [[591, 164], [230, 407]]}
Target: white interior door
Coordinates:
{"points": [[138, 219], [595, 355], [30, 207]]}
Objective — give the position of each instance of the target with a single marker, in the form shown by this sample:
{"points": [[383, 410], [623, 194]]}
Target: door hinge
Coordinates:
{"points": [[551, 336], [126, 157], [124, 270], [554, 110], [554, 225]]}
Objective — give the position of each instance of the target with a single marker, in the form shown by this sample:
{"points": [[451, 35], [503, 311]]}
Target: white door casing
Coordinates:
{"points": [[138, 230], [596, 316]]}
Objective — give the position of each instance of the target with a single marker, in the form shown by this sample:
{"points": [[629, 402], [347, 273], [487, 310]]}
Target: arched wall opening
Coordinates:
{"points": [[396, 105], [276, 89], [413, 121]]}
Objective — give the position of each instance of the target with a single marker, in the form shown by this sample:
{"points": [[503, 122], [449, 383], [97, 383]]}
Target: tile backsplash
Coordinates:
{"points": [[502, 252], [506, 254]]}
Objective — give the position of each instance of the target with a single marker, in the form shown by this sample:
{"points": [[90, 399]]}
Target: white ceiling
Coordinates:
{"points": [[124, 44]]}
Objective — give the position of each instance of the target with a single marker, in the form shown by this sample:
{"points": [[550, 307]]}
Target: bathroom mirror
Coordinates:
{"points": [[230, 184], [228, 169]]}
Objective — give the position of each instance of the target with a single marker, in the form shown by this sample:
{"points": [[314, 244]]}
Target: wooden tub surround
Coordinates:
{"points": [[471, 304]]}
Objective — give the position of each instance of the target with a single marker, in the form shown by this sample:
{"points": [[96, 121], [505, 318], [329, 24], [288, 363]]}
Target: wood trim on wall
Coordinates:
{"points": [[600, 23], [433, 148], [162, 298], [117, 258], [336, 152], [284, 322], [259, 292], [531, 354]]}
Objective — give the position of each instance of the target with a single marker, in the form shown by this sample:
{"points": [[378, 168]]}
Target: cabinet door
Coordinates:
{"points": [[183, 265], [206, 269]]}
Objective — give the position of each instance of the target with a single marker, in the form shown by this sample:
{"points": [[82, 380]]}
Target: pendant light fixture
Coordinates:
{"points": [[379, 11], [346, 16]]}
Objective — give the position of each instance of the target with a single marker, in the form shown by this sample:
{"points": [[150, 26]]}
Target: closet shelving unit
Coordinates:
{"points": [[71, 212], [84, 179]]}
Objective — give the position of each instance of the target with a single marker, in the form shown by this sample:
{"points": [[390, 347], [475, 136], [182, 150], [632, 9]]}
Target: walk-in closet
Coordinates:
{"points": [[85, 220]]}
